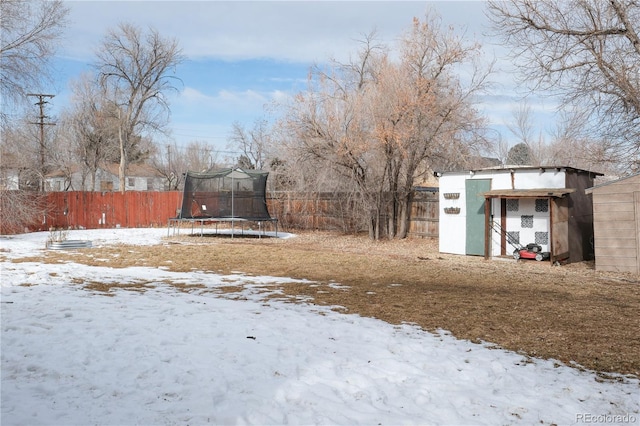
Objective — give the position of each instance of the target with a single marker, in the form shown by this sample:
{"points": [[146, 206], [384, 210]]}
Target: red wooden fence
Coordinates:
{"points": [[133, 209]]}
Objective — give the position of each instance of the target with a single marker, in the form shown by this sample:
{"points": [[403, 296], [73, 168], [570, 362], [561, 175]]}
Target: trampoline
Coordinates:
{"points": [[231, 195]]}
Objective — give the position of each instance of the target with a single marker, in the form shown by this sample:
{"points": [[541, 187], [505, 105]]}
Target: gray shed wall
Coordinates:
{"points": [[616, 208]]}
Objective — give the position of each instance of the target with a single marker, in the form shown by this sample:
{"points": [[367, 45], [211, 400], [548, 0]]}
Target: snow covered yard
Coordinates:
{"points": [[160, 356]]}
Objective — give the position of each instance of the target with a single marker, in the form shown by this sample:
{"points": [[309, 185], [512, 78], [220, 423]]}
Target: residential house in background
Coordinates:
{"points": [[139, 177], [9, 172]]}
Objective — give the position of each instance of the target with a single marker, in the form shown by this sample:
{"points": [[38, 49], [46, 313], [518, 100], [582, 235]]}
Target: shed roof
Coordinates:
{"points": [[509, 169], [529, 193], [611, 182]]}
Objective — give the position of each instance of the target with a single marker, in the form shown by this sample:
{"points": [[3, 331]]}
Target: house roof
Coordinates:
{"points": [[61, 173], [9, 161], [529, 193], [133, 170]]}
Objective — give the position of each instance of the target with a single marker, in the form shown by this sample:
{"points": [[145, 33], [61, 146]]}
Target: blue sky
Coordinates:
{"points": [[243, 55]]}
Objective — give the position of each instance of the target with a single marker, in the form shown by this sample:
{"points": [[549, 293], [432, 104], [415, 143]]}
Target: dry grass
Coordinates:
{"points": [[570, 313]]}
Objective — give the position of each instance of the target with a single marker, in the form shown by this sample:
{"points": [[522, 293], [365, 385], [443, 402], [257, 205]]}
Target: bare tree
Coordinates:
{"points": [[585, 51], [571, 144], [134, 68], [22, 141], [171, 164], [93, 128], [433, 115], [200, 156], [21, 206], [254, 144], [174, 161], [20, 155], [329, 134], [21, 209], [381, 124], [29, 33], [526, 150], [522, 125]]}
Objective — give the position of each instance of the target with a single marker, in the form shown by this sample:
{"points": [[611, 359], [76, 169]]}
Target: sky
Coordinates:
{"points": [[232, 352], [242, 56]]}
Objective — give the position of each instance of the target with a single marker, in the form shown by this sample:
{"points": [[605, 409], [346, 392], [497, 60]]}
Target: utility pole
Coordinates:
{"points": [[41, 103]]}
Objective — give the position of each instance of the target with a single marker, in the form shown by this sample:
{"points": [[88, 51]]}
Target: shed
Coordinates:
{"points": [[616, 223], [488, 212]]}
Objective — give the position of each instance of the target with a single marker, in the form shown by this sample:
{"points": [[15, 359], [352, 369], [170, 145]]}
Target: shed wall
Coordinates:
{"points": [[532, 179], [616, 213], [526, 222], [453, 214], [580, 218]]}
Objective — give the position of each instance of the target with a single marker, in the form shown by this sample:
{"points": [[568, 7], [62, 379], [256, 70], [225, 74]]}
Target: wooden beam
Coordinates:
{"points": [[487, 227]]}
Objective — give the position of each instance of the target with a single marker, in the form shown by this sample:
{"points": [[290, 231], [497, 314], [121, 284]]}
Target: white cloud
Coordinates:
{"points": [[222, 100], [191, 95], [293, 31], [300, 32]]}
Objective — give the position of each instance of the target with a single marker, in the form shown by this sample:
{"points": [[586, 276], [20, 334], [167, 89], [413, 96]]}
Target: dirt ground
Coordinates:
{"points": [[570, 313]]}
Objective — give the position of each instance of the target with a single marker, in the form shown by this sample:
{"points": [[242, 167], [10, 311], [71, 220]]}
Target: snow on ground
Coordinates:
{"points": [[71, 356]]}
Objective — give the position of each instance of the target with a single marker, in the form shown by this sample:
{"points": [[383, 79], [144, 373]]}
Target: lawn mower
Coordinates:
{"points": [[530, 251]]}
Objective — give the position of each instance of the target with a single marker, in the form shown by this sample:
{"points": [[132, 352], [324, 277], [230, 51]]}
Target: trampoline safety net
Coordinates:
{"points": [[229, 193]]}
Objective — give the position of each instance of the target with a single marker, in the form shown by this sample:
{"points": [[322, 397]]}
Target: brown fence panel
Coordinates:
{"points": [[313, 210], [91, 210], [334, 211], [423, 220]]}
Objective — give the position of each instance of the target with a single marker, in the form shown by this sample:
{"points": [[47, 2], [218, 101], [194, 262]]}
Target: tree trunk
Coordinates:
{"points": [[403, 217], [372, 227], [123, 157], [392, 208], [122, 168]]}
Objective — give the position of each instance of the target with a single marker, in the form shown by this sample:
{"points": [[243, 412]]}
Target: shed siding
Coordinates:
{"points": [[616, 217], [611, 211], [617, 263], [616, 243]]}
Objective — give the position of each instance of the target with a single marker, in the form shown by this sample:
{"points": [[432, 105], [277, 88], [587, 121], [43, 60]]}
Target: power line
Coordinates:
{"points": [[41, 103]]}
